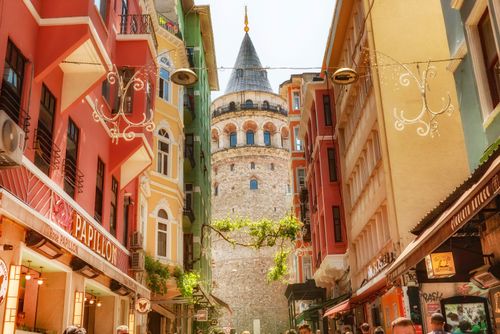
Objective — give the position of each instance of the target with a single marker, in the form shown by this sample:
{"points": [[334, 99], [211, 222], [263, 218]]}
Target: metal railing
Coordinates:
{"points": [[73, 177], [264, 106], [46, 149], [169, 25], [137, 24], [10, 102]]}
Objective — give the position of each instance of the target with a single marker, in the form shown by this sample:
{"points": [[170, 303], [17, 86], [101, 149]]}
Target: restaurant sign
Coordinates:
{"points": [[380, 263], [440, 265], [90, 236]]}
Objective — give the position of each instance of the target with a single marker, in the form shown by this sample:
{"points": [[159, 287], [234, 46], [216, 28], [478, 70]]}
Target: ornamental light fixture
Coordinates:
{"points": [[82, 267], [42, 245], [344, 76], [28, 275], [40, 279]]}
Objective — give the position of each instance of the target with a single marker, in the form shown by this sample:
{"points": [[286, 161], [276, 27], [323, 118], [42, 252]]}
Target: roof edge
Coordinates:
{"points": [[208, 45]]}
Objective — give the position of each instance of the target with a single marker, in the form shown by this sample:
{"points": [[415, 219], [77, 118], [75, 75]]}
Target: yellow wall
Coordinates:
{"points": [[421, 170], [167, 192]]}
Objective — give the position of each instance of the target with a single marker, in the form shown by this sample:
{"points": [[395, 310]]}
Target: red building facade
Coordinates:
{"points": [[68, 191]]}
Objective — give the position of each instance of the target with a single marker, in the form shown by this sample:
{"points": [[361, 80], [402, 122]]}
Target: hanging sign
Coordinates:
{"points": [[201, 315], [142, 305], [440, 265], [4, 280]]}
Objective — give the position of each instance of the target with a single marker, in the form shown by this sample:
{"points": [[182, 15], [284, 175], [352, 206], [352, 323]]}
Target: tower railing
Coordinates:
{"points": [[264, 106]]}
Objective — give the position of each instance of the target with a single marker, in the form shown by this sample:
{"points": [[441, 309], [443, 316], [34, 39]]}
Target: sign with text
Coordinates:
{"points": [[440, 265], [85, 232]]}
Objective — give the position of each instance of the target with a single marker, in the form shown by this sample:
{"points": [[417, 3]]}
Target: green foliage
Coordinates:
{"points": [[186, 282], [157, 275], [262, 233]]}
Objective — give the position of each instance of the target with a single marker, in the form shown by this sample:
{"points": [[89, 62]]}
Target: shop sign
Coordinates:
{"points": [[142, 305], [4, 280], [90, 236], [440, 265], [60, 239], [410, 278], [202, 315], [379, 264]]}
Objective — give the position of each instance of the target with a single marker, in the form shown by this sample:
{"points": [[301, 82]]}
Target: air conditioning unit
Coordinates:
{"points": [[137, 261], [486, 276], [136, 240], [11, 142]]}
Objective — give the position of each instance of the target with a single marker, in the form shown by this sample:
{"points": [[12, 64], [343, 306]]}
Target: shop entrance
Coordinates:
{"points": [[99, 309]]}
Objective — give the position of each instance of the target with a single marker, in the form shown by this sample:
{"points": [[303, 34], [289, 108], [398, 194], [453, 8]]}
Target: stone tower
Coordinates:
{"points": [[250, 178]]}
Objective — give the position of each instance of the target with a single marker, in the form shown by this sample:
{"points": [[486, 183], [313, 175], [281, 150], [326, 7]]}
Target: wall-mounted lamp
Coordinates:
{"points": [[118, 288], [42, 245], [344, 76], [27, 276], [82, 267]]}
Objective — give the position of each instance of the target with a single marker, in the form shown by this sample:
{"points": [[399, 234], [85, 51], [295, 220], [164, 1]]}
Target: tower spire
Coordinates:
{"points": [[246, 20]]}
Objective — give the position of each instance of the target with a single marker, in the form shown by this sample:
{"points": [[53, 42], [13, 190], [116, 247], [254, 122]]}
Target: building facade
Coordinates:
{"points": [[71, 178], [250, 162], [390, 165]]}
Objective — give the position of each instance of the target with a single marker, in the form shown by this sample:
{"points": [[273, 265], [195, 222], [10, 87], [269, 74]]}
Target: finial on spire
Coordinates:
{"points": [[246, 20]]}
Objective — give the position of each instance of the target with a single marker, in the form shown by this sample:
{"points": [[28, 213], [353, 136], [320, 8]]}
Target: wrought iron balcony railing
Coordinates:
{"points": [[169, 25], [137, 24], [10, 102], [47, 153], [73, 177], [264, 106]]}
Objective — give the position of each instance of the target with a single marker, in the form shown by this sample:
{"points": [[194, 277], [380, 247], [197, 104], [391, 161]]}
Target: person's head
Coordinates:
{"points": [[292, 331], [245, 332], [123, 329], [74, 330], [365, 327], [379, 330], [304, 329], [403, 326], [437, 322]]}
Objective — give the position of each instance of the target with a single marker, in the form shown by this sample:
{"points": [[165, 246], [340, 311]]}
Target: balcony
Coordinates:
{"points": [[264, 106], [169, 25], [138, 24]]}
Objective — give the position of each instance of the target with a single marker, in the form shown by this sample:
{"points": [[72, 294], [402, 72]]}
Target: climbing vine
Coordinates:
{"points": [[261, 233], [186, 281], [157, 275]]}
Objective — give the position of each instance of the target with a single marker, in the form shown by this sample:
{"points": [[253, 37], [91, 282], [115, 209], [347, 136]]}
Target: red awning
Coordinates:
{"points": [[339, 308]]}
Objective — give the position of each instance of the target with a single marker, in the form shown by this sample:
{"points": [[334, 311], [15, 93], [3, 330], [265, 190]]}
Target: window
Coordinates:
{"points": [[164, 89], [188, 189], [163, 151], [332, 168], [149, 100], [216, 190], [265, 105], [327, 110], [296, 100], [114, 204], [301, 178], [126, 73], [232, 106], [71, 174], [252, 165], [106, 91], [250, 137], [43, 151], [127, 201], [254, 185], [231, 167], [232, 139], [272, 166], [102, 7], [267, 138], [298, 142], [249, 104], [162, 221], [490, 56], [13, 75], [99, 190], [337, 224], [307, 267]]}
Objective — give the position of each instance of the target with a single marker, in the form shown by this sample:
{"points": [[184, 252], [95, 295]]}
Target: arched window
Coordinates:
{"points": [[250, 137], [267, 138], [248, 104], [232, 106], [162, 233], [252, 165], [265, 105], [163, 151], [254, 184], [232, 139], [272, 166]]}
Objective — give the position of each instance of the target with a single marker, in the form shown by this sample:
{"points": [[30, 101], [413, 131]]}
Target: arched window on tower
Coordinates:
{"points": [[232, 106], [162, 233], [265, 105], [254, 184], [252, 165], [250, 137], [249, 104], [232, 139], [267, 138]]}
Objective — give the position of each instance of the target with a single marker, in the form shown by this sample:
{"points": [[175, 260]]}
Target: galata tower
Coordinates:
{"points": [[250, 179]]}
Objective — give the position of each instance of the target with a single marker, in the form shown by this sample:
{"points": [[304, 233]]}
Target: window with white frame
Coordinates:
{"points": [[162, 233], [163, 151], [484, 53], [301, 178], [296, 100], [164, 85], [297, 142], [306, 267]]}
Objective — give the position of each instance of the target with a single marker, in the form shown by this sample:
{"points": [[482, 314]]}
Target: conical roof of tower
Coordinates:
{"points": [[248, 73]]}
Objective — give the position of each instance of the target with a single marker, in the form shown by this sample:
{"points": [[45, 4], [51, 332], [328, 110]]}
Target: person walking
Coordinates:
{"points": [[365, 328], [379, 330], [403, 326], [305, 329], [437, 324], [123, 329], [74, 330]]}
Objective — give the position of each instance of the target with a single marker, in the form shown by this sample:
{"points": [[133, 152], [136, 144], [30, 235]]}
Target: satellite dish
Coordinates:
{"points": [[184, 77], [344, 76]]}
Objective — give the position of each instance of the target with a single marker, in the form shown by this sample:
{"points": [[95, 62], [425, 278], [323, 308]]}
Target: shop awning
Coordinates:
{"points": [[222, 303], [339, 308], [484, 186], [377, 283]]}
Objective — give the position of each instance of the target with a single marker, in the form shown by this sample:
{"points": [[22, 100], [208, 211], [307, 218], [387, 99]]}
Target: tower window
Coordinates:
{"points": [[272, 166], [267, 138], [232, 139], [254, 185], [231, 167], [250, 137], [252, 165]]}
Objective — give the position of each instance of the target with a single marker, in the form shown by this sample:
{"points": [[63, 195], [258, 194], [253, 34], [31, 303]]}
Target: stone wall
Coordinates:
{"points": [[240, 274]]}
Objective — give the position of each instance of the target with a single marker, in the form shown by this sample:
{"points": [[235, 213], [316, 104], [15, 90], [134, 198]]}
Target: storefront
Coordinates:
{"points": [[455, 259], [61, 268]]}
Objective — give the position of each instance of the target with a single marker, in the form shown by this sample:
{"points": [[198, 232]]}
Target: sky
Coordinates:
{"points": [[285, 33]]}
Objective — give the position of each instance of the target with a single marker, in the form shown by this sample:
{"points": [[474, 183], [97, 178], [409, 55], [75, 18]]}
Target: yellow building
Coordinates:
{"points": [[394, 170]]}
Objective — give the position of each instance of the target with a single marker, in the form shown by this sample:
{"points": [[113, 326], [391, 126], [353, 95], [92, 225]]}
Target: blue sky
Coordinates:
{"points": [[286, 33]]}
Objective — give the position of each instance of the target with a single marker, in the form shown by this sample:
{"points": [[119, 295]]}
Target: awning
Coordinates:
{"points": [[339, 308], [377, 283], [222, 303], [465, 207]]}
